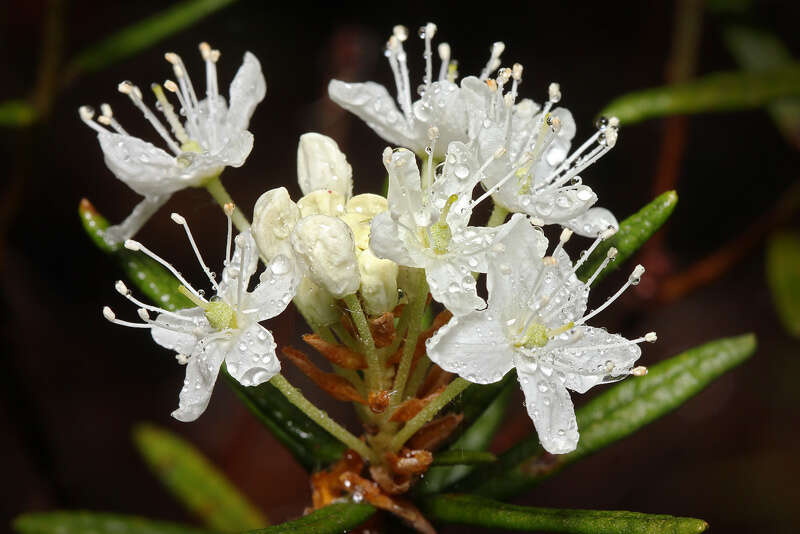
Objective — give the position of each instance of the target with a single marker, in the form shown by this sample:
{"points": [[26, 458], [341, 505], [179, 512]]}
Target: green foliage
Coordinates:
{"points": [[310, 444], [633, 233], [723, 91], [16, 113], [617, 413], [144, 34], [463, 457], [756, 51], [96, 523], [783, 276], [337, 518], [195, 482], [472, 510]]}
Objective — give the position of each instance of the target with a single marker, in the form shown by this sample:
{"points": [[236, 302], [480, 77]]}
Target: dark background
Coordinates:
{"points": [[72, 386]]}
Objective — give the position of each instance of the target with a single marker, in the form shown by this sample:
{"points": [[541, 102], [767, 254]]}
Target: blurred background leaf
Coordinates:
{"points": [[197, 484], [96, 523], [16, 113], [616, 413], [722, 91], [472, 510], [143, 34], [337, 518], [783, 276]]}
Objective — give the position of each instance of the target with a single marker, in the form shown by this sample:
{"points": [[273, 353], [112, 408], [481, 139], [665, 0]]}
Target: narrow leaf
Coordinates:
{"points": [[783, 275], [96, 523], [144, 34], [463, 457], [615, 414], [723, 91], [16, 113], [310, 444], [756, 51], [195, 482], [472, 510], [633, 233], [336, 518]]}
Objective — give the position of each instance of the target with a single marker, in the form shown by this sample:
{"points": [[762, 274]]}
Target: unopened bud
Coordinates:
{"points": [[274, 218], [378, 283], [325, 244], [321, 165], [322, 202]]}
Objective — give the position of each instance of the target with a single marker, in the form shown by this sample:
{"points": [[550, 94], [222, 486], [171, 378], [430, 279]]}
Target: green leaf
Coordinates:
{"points": [[783, 276], [723, 91], [96, 523], [336, 518], [195, 482], [463, 457], [143, 34], [310, 444], [16, 113], [615, 414], [472, 510], [758, 51], [633, 233]]}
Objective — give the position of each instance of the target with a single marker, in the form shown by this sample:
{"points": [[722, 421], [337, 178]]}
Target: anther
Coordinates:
{"points": [[433, 133], [121, 288], [182, 358], [135, 246], [650, 337], [636, 275], [109, 314], [554, 92], [516, 72], [639, 371], [105, 109], [608, 232], [177, 218], [86, 112], [229, 208], [549, 261], [172, 57], [143, 314], [499, 153], [400, 32], [536, 221], [205, 50], [170, 86], [612, 253], [613, 122], [566, 233]]}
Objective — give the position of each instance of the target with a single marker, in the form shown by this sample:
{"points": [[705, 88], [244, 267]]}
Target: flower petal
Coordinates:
{"points": [[243, 264], [549, 406], [248, 88], [405, 188], [584, 365], [252, 359], [451, 283], [385, 240], [441, 106], [372, 103], [176, 333], [321, 165], [473, 346], [594, 221], [459, 177], [143, 167], [201, 375], [277, 286]]}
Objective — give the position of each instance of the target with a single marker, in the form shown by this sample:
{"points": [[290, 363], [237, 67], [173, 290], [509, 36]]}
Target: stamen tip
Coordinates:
{"points": [[130, 244], [499, 153], [121, 288], [639, 371], [608, 232], [444, 51], [433, 133], [566, 233], [143, 315], [86, 112], [554, 92], [170, 86], [516, 71], [109, 314], [650, 337], [177, 218], [400, 32], [229, 208], [612, 253], [172, 57]]}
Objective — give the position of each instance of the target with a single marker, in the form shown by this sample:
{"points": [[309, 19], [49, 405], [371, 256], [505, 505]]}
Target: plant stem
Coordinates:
{"points": [[418, 293], [426, 414], [217, 190], [373, 373], [320, 417], [498, 216], [418, 377]]}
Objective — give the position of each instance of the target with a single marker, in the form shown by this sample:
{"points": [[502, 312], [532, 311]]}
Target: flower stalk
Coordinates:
{"points": [[220, 194]]}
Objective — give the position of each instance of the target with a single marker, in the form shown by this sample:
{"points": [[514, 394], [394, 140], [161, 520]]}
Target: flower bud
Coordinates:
{"points": [[367, 204], [315, 303], [322, 202], [378, 283], [359, 224], [321, 165], [274, 218], [325, 244]]}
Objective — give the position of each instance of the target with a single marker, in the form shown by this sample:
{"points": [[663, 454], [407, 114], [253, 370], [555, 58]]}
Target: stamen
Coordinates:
{"points": [[112, 318], [516, 75], [633, 279], [178, 219], [444, 56], [86, 114], [229, 208], [554, 92], [496, 187], [427, 32], [240, 281], [566, 233], [611, 255], [494, 60], [130, 244], [135, 95], [143, 315], [183, 78], [400, 33], [605, 234], [639, 371], [169, 113], [107, 119], [433, 135]]}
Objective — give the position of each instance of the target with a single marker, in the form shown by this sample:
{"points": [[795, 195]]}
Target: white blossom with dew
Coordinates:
{"points": [[439, 103], [223, 328], [535, 322], [202, 138], [322, 166], [427, 225]]}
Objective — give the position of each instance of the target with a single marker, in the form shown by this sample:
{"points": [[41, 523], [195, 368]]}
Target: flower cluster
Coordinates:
{"points": [[362, 269]]}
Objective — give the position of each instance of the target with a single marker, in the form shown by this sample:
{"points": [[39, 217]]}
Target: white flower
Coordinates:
{"points": [[223, 328], [321, 165], [325, 246], [427, 225], [535, 323], [213, 136], [439, 104]]}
